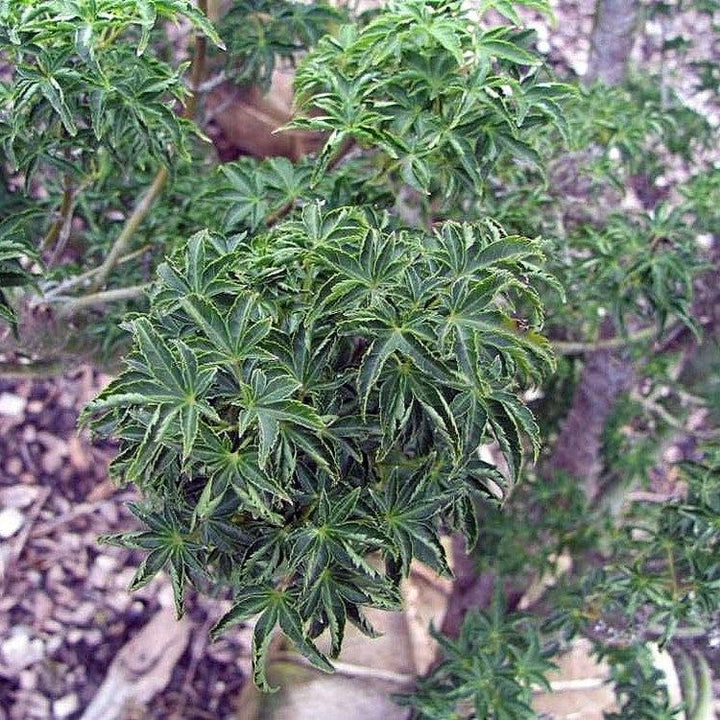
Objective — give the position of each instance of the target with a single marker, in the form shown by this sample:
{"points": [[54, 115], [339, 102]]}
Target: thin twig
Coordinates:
{"points": [[22, 538], [66, 205], [572, 685], [40, 369], [658, 410], [131, 225], [63, 236], [579, 348], [148, 199], [102, 298], [350, 669], [67, 212], [76, 280], [648, 497], [197, 73], [78, 511], [278, 214]]}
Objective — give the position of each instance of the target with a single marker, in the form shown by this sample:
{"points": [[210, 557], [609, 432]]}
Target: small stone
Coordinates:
{"points": [[51, 462], [102, 571], [12, 405], [109, 512], [11, 520], [84, 614], [124, 578], [53, 644], [17, 496], [78, 454], [42, 607], [65, 706], [20, 650], [14, 466], [73, 637], [119, 602], [35, 407], [53, 627], [55, 576], [93, 637], [28, 679]]}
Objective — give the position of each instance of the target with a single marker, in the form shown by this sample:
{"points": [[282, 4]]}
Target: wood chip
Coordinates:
{"points": [[142, 668]]}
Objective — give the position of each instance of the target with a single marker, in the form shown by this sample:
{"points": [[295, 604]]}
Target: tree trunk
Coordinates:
{"points": [[606, 374], [605, 377], [612, 40]]}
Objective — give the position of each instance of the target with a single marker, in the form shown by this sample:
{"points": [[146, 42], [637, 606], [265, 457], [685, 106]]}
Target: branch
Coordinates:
{"points": [[612, 40], [40, 369], [350, 669], [605, 377], [76, 280], [101, 298], [198, 67], [131, 225], [614, 343], [146, 202], [60, 221]]}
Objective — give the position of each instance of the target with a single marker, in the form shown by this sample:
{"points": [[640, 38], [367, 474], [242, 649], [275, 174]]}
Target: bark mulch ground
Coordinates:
{"points": [[65, 612]]}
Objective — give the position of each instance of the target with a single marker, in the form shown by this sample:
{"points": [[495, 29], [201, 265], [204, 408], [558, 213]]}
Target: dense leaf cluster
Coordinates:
{"points": [[440, 96], [15, 251], [262, 34], [301, 400], [665, 565], [83, 80], [488, 673], [304, 400]]}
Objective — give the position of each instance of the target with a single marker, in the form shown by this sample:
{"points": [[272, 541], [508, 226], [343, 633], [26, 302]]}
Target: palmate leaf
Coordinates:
{"points": [[440, 125], [169, 382], [262, 32], [240, 469], [266, 403], [169, 544], [334, 534], [490, 667], [406, 513], [231, 338], [275, 608], [86, 81]]}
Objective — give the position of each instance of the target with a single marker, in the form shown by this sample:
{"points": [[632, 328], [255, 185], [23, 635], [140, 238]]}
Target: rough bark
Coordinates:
{"points": [[606, 375], [612, 40]]}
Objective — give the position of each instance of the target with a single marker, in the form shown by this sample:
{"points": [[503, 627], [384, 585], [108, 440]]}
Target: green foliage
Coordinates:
{"points": [[538, 523], [666, 560], [83, 81], [299, 400], [304, 399], [441, 97], [631, 264], [15, 252], [488, 673], [263, 33], [639, 685]]}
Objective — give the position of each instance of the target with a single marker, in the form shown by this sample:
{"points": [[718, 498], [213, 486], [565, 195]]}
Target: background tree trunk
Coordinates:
{"points": [[612, 40]]}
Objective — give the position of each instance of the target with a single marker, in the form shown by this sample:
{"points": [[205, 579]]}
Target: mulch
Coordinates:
{"points": [[65, 611]]}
